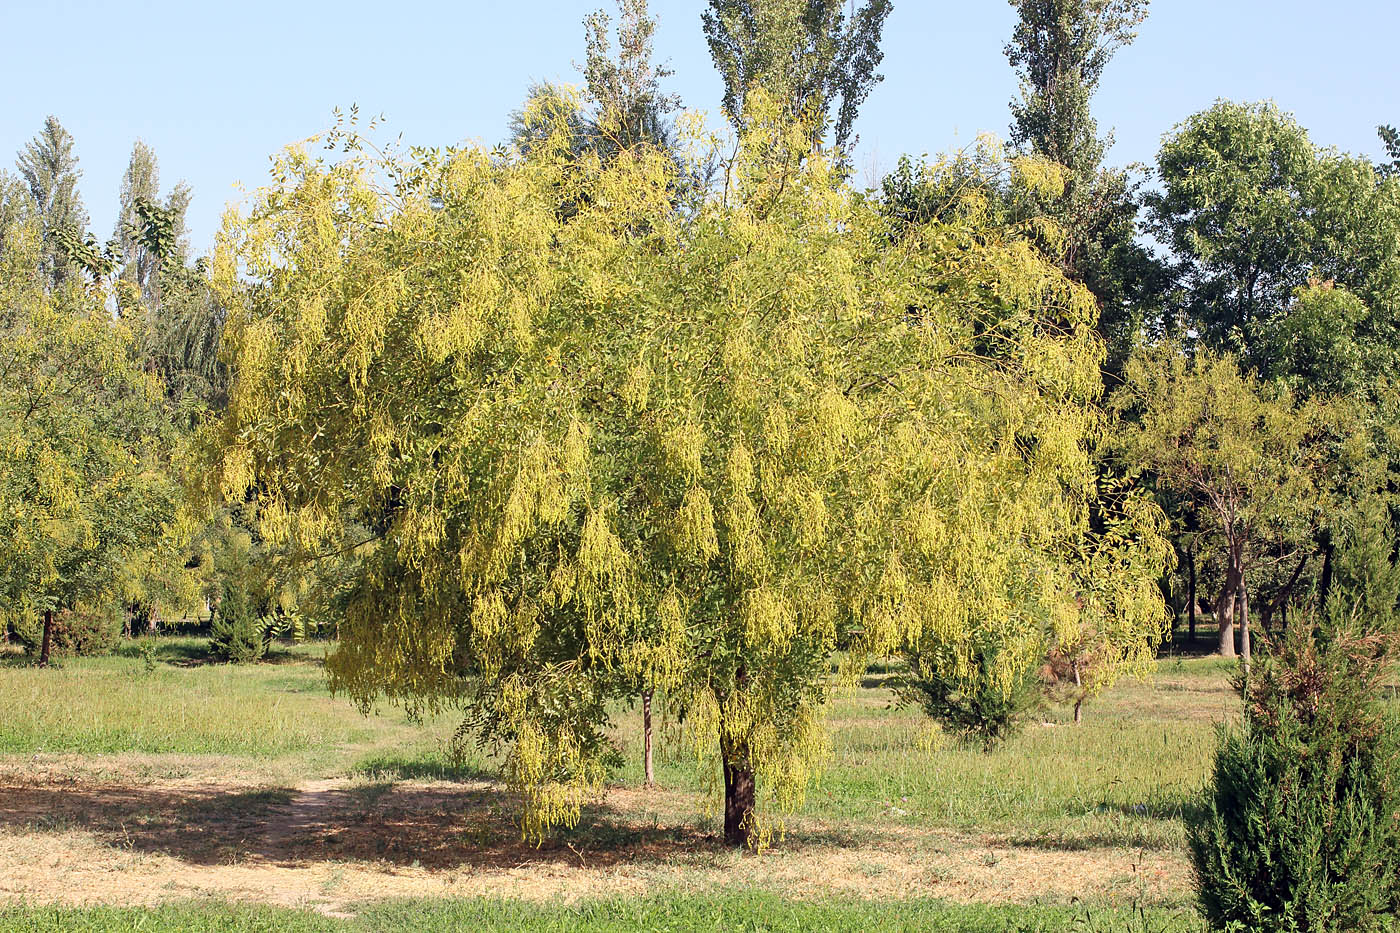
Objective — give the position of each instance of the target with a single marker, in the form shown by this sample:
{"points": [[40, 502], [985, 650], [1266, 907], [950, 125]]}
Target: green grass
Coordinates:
{"points": [[280, 708], [742, 912]]}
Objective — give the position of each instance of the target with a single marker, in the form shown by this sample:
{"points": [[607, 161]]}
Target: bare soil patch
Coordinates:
{"points": [[80, 839]]}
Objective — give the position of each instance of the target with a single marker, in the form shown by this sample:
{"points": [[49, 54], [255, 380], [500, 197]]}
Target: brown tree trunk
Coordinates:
{"points": [[646, 738], [1225, 605], [47, 643], [1244, 625], [1078, 693], [738, 793], [1191, 588]]}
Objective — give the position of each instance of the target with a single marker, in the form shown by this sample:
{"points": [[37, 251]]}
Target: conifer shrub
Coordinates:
{"points": [[236, 632], [983, 702], [1301, 829]]}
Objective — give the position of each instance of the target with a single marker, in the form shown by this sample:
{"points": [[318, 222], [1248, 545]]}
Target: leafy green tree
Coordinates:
{"points": [[1060, 49], [1390, 138], [626, 89], [1257, 465], [983, 689], [699, 449], [807, 54], [49, 167], [141, 254], [86, 486], [1254, 213]]}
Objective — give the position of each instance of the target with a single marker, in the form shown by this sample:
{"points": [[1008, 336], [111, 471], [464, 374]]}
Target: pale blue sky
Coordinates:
{"points": [[217, 87]]}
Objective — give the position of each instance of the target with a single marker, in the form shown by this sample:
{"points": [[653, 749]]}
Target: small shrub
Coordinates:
{"points": [[81, 632], [236, 634], [1301, 832], [985, 703]]}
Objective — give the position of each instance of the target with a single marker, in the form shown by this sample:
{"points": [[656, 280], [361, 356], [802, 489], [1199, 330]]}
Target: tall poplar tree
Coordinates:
{"points": [[140, 189], [807, 54], [1060, 49], [49, 167]]}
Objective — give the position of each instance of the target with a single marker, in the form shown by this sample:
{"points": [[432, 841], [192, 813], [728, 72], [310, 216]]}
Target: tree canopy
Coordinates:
{"points": [[806, 54], [708, 448]]}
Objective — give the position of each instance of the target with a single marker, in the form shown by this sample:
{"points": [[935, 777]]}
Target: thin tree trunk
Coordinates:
{"points": [[646, 738], [1244, 625], [738, 793], [1225, 617], [47, 642], [1225, 605], [1078, 692], [1191, 586]]}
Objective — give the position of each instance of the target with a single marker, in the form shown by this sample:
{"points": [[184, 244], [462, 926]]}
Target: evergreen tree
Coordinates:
{"points": [[807, 54], [49, 167]]}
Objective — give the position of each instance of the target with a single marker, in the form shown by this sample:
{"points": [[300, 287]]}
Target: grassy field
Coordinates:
{"points": [[185, 795]]}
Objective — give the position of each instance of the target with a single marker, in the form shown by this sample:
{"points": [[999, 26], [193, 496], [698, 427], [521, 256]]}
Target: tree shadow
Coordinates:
{"points": [[437, 827]]}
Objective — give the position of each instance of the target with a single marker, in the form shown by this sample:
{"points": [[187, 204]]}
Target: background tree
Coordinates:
{"points": [[49, 167], [1060, 49], [1265, 473], [86, 487], [140, 191], [1253, 213], [983, 686], [626, 89], [807, 54], [1390, 139]]}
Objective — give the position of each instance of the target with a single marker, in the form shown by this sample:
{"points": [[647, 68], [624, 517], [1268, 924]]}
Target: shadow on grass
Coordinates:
{"points": [[437, 827]]}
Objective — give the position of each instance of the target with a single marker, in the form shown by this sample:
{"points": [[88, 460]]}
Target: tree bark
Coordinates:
{"points": [[738, 793], [1225, 605], [1244, 625], [1078, 693], [47, 642], [646, 738], [1225, 619], [1191, 587]]}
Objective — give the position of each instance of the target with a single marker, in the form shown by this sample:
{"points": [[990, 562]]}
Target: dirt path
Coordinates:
{"points": [[327, 844]]}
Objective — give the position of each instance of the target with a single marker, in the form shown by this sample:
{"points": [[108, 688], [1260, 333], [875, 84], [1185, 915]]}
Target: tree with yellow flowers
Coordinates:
{"points": [[568, 451]]}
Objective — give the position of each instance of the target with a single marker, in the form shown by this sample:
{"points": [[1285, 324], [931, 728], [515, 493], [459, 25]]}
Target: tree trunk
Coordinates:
{"points": [[1078, 693], [646, 738], [1225, 619], [738, 793], [47, 642], [1244, 625], [1324, 588], [1191, 587], [1225, 605]]}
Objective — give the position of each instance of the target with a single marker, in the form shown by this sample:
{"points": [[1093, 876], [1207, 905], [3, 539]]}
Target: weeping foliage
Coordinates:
{"points": [[576, 450]]}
